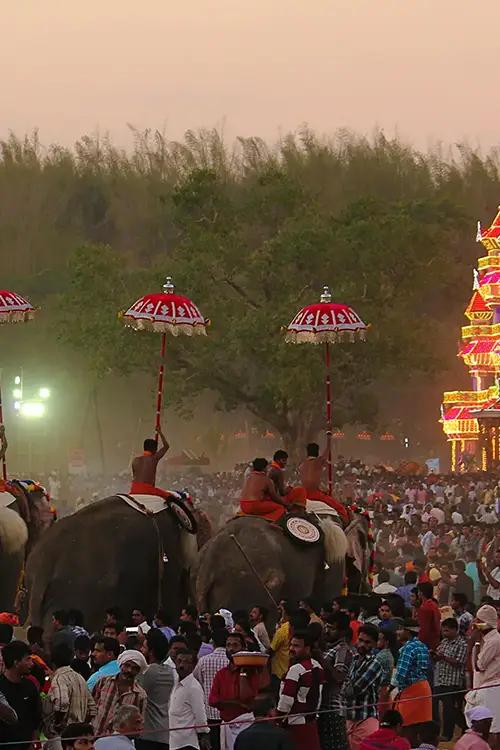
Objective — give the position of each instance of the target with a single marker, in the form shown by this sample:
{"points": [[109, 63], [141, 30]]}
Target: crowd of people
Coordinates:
{"points": [[413, 663]]}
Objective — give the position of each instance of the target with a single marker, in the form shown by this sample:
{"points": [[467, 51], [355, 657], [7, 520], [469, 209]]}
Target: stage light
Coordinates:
{"points": [[17, 393], [44, 393], [32, 409], [17, 380]]}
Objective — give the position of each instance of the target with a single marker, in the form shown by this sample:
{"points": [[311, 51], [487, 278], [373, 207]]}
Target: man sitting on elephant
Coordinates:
{"points": [[259, 496], [310, 473], [144, 468], [276, 471]]}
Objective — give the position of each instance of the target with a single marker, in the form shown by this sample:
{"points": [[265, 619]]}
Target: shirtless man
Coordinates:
{"points": [[259, 496], [310, 473], [144, 468], [276, 472]]}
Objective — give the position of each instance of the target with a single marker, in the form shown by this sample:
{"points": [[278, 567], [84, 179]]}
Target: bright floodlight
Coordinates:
{"points": [[44, 392], [17, 405], [32, 409], [17, 380], [17, 393]]}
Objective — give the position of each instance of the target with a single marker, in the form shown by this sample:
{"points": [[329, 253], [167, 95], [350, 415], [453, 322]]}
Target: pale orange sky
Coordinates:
{"points": [[427, 69]]}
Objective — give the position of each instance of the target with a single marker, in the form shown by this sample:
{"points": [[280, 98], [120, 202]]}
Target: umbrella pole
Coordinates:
{"points": [[4, 460], [329, 416], [161, 373]]}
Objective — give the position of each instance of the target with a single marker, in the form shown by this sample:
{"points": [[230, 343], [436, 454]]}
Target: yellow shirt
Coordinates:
{"points": [[280, 646]]}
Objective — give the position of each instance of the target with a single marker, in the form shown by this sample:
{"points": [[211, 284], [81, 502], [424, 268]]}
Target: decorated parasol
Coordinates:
{"points": [[13, 309], [164, 313], [326, 322]]}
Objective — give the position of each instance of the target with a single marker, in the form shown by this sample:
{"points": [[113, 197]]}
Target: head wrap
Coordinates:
{"points": [[135, 656], [434, 575], [478, 713], [487, 614], [228, 618]]}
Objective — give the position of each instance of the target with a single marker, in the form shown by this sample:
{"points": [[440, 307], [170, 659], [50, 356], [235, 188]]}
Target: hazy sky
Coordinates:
{"points": [[427, 69]]}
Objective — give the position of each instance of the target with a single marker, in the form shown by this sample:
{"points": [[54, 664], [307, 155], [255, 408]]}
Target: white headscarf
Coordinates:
{"points": [[135, 656]]}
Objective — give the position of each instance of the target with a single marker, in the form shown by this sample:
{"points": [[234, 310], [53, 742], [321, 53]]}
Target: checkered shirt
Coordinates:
{"points": [[448, 675], [413, 664], [359, 692], [339, 657], [107, 699], [205, 672]]}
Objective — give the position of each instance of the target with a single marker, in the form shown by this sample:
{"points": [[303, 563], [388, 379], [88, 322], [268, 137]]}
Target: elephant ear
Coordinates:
{"points": [[13, 532]]}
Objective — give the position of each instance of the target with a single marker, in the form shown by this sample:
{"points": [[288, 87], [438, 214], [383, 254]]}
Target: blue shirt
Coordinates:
{"points": [[108, 670], [413, 664]]}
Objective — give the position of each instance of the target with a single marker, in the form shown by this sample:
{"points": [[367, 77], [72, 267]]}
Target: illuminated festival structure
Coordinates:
{"points": [[471, 419]]}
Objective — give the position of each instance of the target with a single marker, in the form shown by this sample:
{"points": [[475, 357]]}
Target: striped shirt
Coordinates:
{"points": [[68, 695], [108, 699], [205, 672], [301, 690]]}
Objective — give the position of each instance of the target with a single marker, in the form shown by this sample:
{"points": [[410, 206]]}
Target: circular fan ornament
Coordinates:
{"points": [[165, 312], [13, 309], [326, 322]]}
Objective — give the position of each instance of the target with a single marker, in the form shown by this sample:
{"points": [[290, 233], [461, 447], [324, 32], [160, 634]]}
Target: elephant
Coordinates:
{"points": [[110, 554], [25, 515], [252, 561]]}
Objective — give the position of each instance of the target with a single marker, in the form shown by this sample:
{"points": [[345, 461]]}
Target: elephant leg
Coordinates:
{"points": [[12, 566]]}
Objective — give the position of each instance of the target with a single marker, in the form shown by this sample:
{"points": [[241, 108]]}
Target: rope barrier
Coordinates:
{"points": [[253, 721]]}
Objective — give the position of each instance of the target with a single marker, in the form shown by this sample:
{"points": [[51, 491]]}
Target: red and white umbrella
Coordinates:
{"points": [[13, 309], [326, 322], [164, 313]]}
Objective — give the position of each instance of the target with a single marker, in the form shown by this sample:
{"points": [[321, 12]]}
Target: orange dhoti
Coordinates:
{"points": [[267, 509], [414, 703], [322, 497], [143, 488]]}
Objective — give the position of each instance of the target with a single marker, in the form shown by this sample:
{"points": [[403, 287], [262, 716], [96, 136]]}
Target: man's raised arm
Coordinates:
{"points": [[165, 446]]}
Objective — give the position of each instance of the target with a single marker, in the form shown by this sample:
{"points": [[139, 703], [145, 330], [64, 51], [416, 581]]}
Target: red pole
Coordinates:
{"points": [[329, 417], [161, 372], [4, 461]]}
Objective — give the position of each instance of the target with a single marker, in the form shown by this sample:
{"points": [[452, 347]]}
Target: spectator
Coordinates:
{"points": [[336, 662], [158, 683], [492, 576], [233, 692], [187, 707], [76, 621], [6, 633], [387, 737], [68, 699], [476, 738], [354, 610], [463, 583], [429, 617], [21, 695], [300, 694], [162, 621], [472, 571], [387, 649], [449, 676], [384, 587], [116, 631], [405, 591], [386, 617], [264, 734], [205, 671], [189, 614], [127, 723], [359, 692], [464, 618], [428, 736], [63, 631], [308, 606], [118, 690], [78, 737], [414, 700], [176, 644], [104, 656], [140, 621], [258, 616], [279, 650], [7, 713], [80, 663], [486, 662]]}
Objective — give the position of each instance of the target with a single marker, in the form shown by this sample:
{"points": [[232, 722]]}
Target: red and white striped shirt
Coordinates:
{"points": [[301, 690]]}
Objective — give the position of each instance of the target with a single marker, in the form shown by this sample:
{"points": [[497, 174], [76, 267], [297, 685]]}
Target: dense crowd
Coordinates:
{"points": [[413, 663]]}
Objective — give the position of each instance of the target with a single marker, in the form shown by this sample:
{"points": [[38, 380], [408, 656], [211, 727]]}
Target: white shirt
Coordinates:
{"points": [[384, 588], [491, 590], [438, 514], [187, 708], [457, 517], [171, 663]]}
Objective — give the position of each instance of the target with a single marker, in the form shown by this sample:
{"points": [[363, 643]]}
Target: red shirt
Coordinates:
{"points": [[429, 621], [226, 687], [355, 626], [385, 738]]}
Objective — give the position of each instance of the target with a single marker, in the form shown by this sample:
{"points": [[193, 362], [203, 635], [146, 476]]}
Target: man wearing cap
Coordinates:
{"points": [[486, 665], [119, 690], [414, 701], [476, 738]]}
